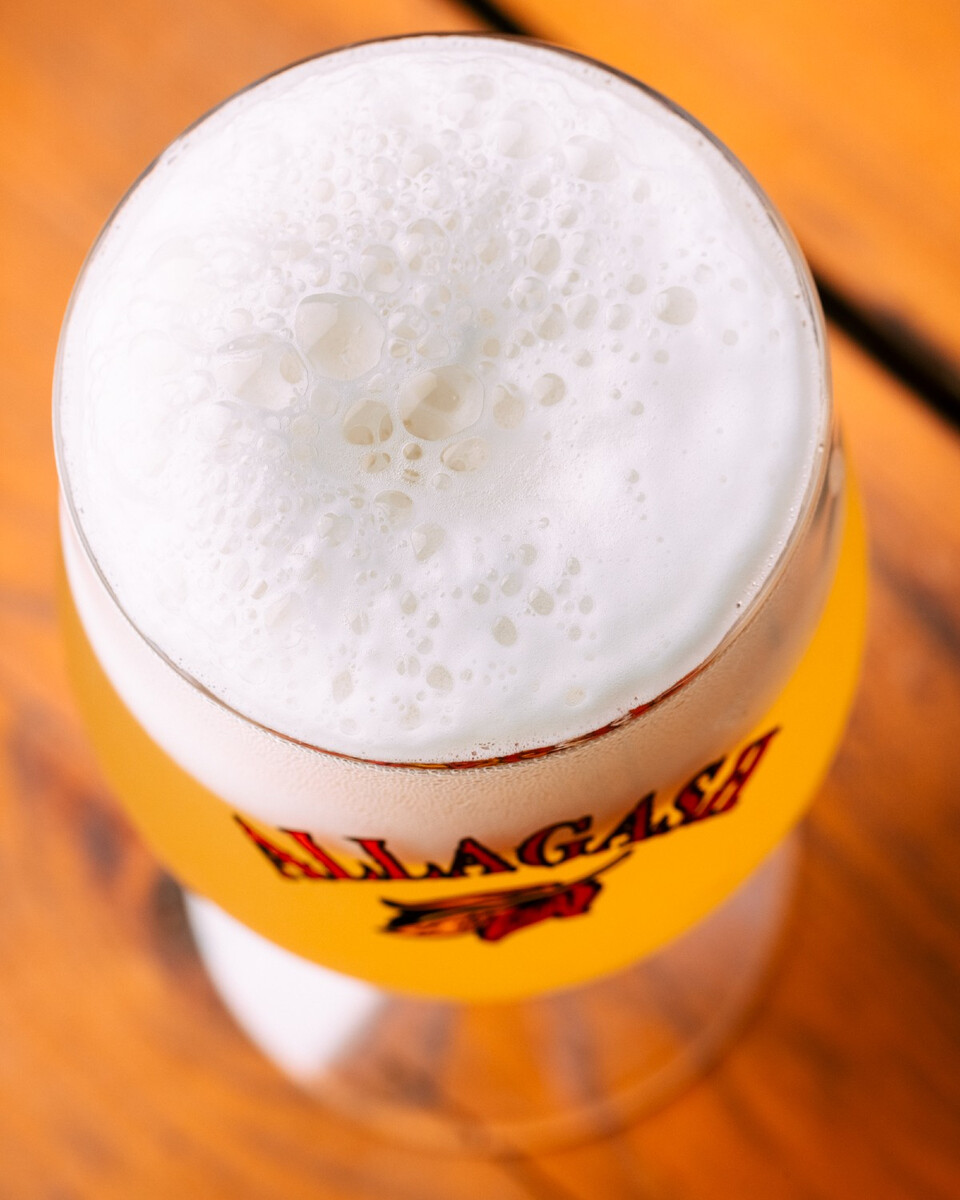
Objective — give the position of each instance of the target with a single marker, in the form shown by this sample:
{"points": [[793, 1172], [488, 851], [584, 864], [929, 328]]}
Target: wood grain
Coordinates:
{"points": [[120, 1075], [848, 114]]}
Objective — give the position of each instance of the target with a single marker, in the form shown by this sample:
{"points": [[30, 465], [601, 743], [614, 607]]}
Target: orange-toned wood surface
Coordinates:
{"points": [[120, 1075], [849, 114]]}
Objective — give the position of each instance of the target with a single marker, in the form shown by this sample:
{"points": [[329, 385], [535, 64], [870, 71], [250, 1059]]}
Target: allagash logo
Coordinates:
{"points": [[493, 915]]}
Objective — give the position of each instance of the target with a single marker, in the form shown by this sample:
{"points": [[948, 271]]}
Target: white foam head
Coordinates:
{"points": [[440, 398]]}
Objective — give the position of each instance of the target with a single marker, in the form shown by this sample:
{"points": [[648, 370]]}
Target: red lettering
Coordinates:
{"points": [[729, 791], [636, 826], [471, 853], [533, 850], [573, 901], [332, 869], [377, 849], [689, 802], [542, 848], [288, 865]]}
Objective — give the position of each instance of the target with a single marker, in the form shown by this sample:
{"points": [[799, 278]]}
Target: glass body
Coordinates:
{"points": [[620, 841]]}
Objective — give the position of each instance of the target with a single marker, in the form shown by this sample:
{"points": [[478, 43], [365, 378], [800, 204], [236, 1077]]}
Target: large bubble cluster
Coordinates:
{"points": [[435, 399]]}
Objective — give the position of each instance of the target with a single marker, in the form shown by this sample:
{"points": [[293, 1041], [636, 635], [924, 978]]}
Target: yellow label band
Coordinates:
{"points": [[571, 900], [295, 854]]}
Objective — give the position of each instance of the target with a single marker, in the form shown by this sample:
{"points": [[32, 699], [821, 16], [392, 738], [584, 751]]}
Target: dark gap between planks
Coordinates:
{"points": [[899, 348]]}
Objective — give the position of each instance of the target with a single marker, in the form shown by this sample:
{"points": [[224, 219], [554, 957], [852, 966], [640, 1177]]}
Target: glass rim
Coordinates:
{"points": [[815, 484]]}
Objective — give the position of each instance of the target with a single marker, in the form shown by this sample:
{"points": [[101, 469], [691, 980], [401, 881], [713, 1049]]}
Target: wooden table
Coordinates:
{"points": [[120, 1075]]}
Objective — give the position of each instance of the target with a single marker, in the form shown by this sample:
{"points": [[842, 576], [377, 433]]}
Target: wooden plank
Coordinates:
{"points": [[119, 1073], [848, 115]]}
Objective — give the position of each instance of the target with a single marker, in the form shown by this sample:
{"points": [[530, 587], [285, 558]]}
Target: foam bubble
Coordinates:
{"points": [[545, 254], [504, 631], [525, 130], [427, 540], [340, 335], [440, 679], [438, 404], [258, 368], [469, 455], [676, 306], [590, 158], [549, 390], [367, 422], [541, 602]]}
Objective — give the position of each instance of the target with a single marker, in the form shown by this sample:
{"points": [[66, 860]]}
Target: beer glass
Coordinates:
{"points": [[513, 943]]}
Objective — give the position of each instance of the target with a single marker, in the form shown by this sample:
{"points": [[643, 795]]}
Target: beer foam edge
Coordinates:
{"points": [[440, 398]]}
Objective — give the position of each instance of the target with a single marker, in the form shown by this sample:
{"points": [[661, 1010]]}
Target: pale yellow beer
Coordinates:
{"points": [[275, 883]]}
